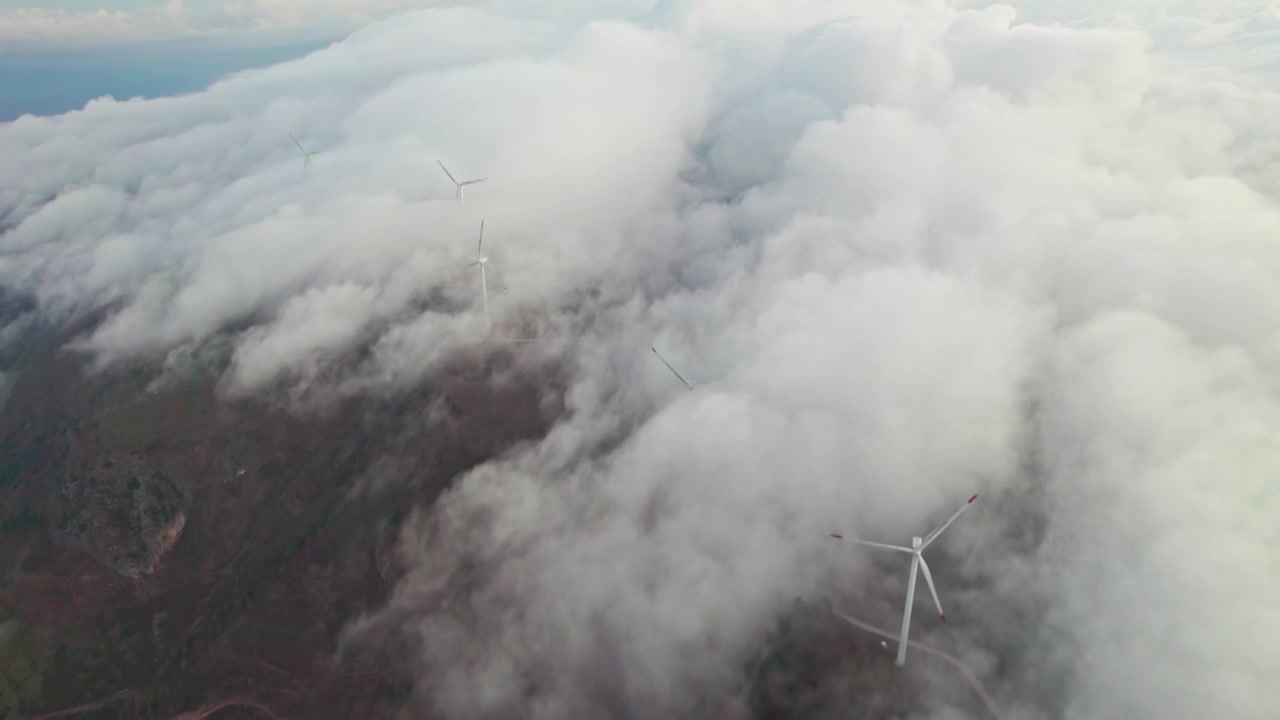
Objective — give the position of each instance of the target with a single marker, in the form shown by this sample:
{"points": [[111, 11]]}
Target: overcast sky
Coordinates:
{"points": [[908, 250]]}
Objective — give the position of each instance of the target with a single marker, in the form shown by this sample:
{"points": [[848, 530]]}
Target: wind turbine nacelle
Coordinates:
{"points": [[915, 542]]}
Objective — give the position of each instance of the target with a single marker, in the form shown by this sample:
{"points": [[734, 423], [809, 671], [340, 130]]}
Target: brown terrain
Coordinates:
{"points": [[174, 552], [170, 553]]}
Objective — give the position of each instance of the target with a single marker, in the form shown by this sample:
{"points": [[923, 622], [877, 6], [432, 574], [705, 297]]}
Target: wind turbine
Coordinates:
{"points": [[484, 286], [673, 370], [306, 156], [917, 561], [482, 260], [458, 185]]}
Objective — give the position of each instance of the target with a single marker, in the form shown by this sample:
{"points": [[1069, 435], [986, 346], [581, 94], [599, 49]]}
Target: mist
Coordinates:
{"points": [[908, 252]]}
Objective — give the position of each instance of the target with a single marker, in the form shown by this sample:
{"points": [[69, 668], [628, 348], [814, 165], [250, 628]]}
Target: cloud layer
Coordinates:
{"points": [[909, 252]]}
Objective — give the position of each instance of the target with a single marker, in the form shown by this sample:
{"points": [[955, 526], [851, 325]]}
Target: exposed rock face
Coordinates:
{"points": [[122, 512]]}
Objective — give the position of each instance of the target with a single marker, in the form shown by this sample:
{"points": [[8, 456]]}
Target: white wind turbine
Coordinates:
{"points": [[484, 286], [673, 370], [481, 260], [917, 561], [306, 156], [456, 184]]}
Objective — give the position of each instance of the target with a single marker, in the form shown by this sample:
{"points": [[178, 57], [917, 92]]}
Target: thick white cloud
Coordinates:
{"points": [[909, 252]]}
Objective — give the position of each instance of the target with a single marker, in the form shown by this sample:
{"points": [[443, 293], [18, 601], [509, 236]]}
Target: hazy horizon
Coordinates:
{"points": [[55, 81]]}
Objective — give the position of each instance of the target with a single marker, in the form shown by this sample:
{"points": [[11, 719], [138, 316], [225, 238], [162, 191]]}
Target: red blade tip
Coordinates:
{"points": [[944, 618], [975, 497], [838, 537]]}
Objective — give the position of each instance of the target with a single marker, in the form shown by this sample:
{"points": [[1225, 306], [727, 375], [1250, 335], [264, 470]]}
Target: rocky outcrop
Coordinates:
{"points": [[125, 514]]}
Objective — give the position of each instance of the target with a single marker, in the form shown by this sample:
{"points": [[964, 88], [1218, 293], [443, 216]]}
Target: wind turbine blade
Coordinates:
{"points": [[446, 172], [473, 182], [295, 142], [480, 245], [934, 535], [905, 632], [899, 548], [928, 578], [673, 370]]}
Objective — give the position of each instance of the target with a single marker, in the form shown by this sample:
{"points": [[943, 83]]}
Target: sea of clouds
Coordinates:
{"points": [[909, 251]]}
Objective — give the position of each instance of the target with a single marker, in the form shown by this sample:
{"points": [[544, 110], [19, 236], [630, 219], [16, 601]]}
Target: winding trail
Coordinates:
{"points": [[207, 710], [108, 701], [954, 661]]}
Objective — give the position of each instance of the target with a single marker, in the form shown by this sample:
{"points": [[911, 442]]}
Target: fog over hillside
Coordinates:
{"points": [[909, 251]]}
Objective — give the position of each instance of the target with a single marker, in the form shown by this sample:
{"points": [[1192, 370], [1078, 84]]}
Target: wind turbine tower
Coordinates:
{"points": [[458, 185], [917, 561], [484, 286]]}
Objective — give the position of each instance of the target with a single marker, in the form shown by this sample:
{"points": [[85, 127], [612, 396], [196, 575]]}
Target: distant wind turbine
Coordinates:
{"points": [[456, 184], [481, 260], [306, 156], [917, 561], [673, 370], [484, 286]]}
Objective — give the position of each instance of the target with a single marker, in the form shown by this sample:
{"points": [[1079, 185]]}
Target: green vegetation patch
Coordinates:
{"points": [[23, 664]]}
